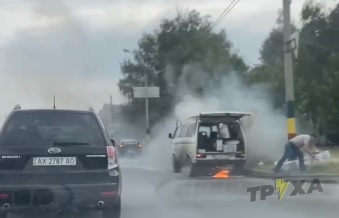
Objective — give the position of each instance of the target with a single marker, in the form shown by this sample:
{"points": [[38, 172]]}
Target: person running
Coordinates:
{"points": [[295, 147]]}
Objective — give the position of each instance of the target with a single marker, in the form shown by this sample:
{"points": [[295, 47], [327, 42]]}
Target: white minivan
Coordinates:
{"points": [[208, 142]]}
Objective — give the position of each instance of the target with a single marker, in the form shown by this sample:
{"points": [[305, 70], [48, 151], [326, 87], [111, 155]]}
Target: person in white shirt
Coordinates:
{"points": [[295, 147]]}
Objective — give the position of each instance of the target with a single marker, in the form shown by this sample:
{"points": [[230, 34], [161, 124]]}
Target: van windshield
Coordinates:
{"points": [[45, 128]]}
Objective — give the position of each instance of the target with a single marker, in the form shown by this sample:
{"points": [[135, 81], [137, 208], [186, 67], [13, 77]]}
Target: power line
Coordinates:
{"points": [[230, 7], [215, 23], [225, 12]]}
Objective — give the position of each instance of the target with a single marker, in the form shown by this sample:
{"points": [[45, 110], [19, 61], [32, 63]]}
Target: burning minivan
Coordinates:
{"points": [[209, 142]]}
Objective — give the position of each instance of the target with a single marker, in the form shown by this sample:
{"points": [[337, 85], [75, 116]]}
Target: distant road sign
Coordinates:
{"points": [[146, 92]]}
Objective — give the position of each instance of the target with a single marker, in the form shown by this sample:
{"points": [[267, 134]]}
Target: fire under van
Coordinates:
{"points": [[209, 142]]}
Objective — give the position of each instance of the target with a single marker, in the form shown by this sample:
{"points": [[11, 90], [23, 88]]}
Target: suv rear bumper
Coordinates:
{"points": [[55, 198]]}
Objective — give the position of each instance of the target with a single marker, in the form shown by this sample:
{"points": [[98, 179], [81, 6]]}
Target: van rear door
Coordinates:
{"points": [[222, 116], [221, 136]]}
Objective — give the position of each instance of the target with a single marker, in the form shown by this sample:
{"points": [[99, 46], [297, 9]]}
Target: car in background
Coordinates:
{"points": [[209, 143], [130, 147], [54, 160]]}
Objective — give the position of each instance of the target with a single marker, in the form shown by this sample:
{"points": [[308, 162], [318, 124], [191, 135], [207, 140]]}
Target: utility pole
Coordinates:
{"points": [[146, 107], [111, 107], [288, 70]]}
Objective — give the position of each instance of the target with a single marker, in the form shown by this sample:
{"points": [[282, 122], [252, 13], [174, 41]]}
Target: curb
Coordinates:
{"points": [[324, 178], [259, 174]]}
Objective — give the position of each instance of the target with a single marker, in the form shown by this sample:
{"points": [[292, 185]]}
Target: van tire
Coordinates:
{"points": [[189, 167], [175, 164]]}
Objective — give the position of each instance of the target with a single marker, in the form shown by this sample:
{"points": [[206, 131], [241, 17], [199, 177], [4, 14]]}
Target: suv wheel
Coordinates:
{"points": [[113, 211], [175, 164]]}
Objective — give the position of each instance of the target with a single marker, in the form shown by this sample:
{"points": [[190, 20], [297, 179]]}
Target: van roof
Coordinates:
{"points": [[225, 113], [218, 116]]}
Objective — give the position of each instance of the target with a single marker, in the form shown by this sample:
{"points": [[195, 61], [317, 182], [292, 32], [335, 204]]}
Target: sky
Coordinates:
{"points": [[73, 48]]}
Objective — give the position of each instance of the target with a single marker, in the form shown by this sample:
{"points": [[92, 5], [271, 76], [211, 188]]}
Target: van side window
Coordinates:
{"points": [[176, 132], [183, 130], [191, 130]]}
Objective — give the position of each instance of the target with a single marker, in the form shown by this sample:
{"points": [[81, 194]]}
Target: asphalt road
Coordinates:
{"points": [[149, 191]]}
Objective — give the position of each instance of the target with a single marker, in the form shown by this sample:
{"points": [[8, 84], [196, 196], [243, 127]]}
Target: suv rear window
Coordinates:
{"points": [[45, 128]]}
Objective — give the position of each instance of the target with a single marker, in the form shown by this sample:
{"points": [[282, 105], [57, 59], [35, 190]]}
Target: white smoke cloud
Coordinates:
{"points": [[265, 130]]}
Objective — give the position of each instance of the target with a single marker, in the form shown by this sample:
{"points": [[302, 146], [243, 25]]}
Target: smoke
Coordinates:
{"points": [[58, 55], [265, 130]]}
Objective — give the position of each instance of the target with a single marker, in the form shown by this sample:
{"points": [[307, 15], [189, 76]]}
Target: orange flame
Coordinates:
{"points": [[223, 174]]}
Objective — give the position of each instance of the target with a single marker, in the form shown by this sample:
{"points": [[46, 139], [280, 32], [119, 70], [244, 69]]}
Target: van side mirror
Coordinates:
{"points": [[113, 142], [170, 135]]}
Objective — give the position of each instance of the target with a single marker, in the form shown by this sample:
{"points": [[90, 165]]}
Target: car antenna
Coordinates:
{"points": [[53, 101]]}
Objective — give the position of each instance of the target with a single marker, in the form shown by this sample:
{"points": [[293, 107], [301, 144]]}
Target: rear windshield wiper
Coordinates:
{"points": [[70, 143]]}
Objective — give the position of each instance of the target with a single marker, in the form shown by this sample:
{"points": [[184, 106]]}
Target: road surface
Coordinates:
{"points": [[151, 192]]}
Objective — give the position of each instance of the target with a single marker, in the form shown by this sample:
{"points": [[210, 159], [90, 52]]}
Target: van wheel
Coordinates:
{"points": [[113, 211], [175, 165], [188, 167]]}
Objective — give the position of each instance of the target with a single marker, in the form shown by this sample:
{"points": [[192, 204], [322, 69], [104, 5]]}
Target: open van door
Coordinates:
{"points": [[222, 116]]}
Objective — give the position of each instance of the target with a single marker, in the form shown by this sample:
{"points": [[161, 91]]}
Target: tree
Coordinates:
{"points": [[316, 69], [316, 74], [270, 72], [183, 50]]}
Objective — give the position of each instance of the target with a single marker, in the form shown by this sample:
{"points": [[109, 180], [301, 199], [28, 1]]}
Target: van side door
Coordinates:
{"points": [[175, 141], [191, 141], [180, 143]]}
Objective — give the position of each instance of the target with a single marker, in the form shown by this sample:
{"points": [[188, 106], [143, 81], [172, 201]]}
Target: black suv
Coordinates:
{"points": [[58, 161]]}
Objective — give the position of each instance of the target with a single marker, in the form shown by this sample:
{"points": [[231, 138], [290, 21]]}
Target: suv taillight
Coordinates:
{"points": [[111, 157]]}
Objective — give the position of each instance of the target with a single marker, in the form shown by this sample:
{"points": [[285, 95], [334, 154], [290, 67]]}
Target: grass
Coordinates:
{"points": [[330, 168]]}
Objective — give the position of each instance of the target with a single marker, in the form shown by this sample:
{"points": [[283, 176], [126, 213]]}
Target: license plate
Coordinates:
{"points": [[54, 161], [228, 167], [221, 156]]}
